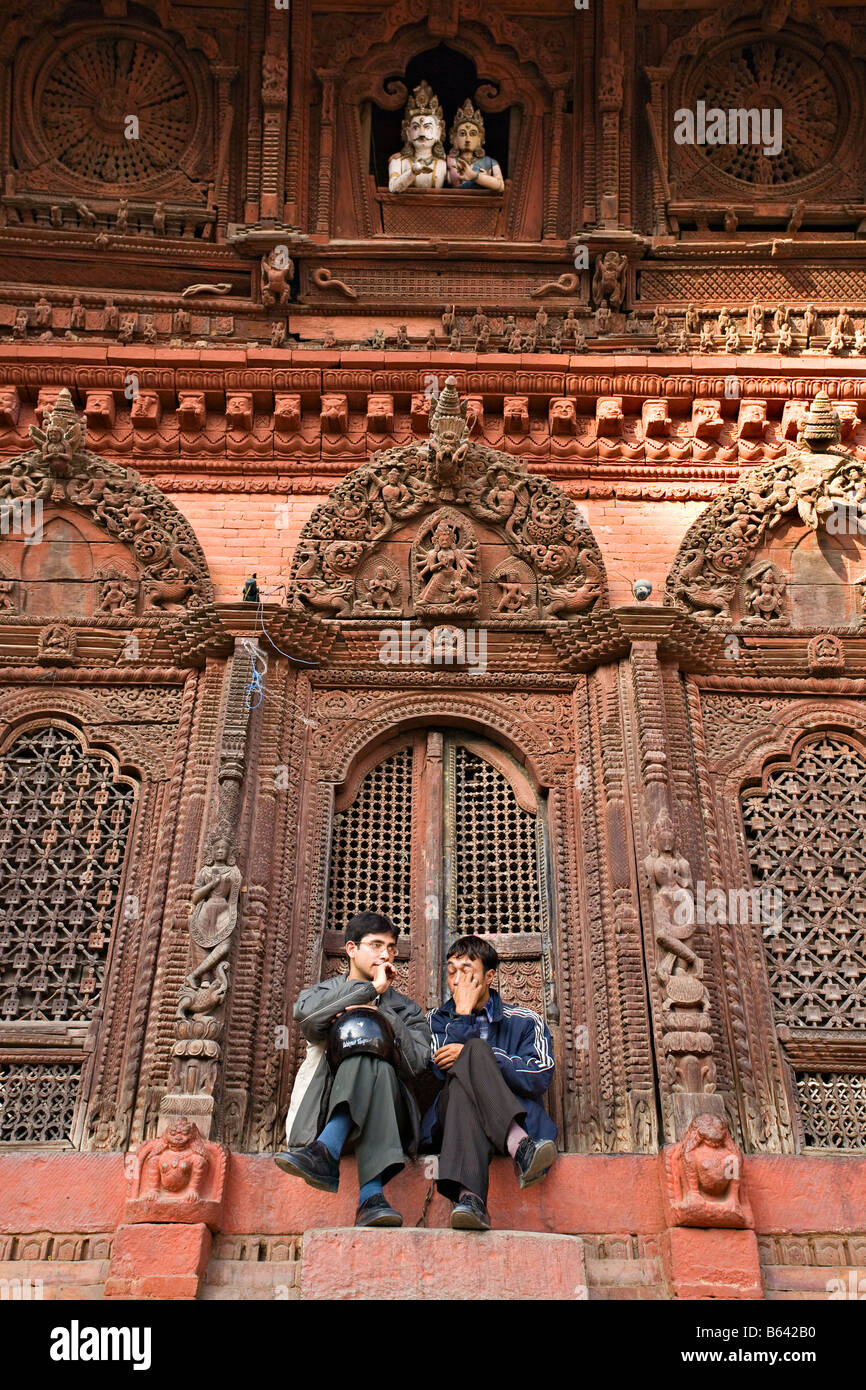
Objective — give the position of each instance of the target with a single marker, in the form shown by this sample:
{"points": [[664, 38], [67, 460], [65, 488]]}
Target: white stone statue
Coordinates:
{"points": [[421, 162]]}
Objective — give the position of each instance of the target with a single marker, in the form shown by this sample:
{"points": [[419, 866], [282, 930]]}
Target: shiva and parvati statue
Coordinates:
{"points": [[422, 162]]}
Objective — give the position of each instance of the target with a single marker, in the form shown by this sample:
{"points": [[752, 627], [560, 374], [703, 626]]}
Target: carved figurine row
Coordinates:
{"points": [[47, 321], [158, 220]]}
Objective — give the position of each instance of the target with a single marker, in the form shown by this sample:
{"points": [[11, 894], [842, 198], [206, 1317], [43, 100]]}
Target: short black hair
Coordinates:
{"points": [[476, 948], [366, 923]]}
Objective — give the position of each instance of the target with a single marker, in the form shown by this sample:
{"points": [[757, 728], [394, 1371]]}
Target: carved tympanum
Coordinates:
{"points": [[818, 484], [340, 570], [162, 550]]}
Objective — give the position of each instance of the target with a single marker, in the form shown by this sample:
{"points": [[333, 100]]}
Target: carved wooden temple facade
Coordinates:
{"points": [[543, 443]]}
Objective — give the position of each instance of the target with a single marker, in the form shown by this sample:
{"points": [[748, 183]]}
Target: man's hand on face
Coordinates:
{"points": [[468, 990], [384, 976], [447, 1056]]}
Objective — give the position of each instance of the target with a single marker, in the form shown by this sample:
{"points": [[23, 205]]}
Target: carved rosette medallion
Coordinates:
{"points": [[75, 96]]}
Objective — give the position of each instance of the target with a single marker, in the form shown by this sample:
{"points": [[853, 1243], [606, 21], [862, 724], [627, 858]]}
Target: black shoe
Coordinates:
{"points": [[314, 1163], [470, 1214], [375, 1211], [532, 1160]]}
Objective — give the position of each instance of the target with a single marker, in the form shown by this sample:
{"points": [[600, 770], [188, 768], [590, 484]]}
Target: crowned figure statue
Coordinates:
{"points": [[468, 165], [421, 162]]}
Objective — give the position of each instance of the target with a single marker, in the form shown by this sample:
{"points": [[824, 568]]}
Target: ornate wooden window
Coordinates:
{"points": [[446, 834], [806, 835], [64, 820]]}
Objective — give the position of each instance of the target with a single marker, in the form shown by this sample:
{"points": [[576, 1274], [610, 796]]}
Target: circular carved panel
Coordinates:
{"points": [[93, 95], [770, 75], [111, 111]]}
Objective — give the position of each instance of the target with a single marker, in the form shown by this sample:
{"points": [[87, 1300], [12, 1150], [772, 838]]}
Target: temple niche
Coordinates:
{"points": [[448, 138]]}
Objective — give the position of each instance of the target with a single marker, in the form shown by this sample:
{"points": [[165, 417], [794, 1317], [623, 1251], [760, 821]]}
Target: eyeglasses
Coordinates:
{"points": [[381, 945]]}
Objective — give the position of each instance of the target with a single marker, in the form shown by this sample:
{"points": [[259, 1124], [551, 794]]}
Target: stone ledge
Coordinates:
{"points": [[441, 1265]]}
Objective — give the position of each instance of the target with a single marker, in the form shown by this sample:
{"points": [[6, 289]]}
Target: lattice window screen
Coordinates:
{"points": [[38, 1101], [370, 859], [496, 852], [63, 829], [833, 1109], [806, 837]]}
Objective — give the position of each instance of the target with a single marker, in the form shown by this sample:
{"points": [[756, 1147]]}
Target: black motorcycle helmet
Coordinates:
{"points": [[362, 1030]]}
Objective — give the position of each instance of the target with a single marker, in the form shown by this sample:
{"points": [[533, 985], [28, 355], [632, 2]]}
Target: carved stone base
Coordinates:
{"points": [[713, 1264], [155, 1261], [199, 1109], [688, 1105]]}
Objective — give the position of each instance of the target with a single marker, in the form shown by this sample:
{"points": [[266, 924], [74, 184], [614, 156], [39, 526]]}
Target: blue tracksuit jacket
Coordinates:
{"points": [[521, 1045]]}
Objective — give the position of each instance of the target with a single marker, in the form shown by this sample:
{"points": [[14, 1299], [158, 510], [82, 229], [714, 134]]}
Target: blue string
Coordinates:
{"points": [[260, 615]]}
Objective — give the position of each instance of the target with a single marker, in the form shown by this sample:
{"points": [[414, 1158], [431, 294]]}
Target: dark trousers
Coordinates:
{"points": [[475, 1112], [381, 1125]]}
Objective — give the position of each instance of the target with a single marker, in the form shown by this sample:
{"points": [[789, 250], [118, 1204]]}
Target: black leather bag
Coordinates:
{"points": [[363, 1030]]}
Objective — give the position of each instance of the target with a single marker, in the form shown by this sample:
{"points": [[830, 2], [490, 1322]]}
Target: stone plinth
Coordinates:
{"points": [[439, 1265]]}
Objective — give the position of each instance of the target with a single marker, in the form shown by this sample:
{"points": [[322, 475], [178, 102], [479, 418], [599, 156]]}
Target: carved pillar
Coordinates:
{"points": [[637, 1128], [326, 151], [679, 998], [610, 105], [298, 136], [551, 211], [224, 75], [195, 1076], [275, 71], [655, 116], [255, 24]]}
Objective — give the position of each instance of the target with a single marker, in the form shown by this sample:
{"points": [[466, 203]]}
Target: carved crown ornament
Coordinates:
{"points": [[447, 528], [819, 486]]}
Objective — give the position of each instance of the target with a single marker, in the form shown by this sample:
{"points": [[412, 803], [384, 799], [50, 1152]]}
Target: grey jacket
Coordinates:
{"points": [[315, 1010]]}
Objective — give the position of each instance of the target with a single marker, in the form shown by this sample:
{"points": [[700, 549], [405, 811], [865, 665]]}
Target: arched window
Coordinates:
{"points": [[64, 820], [806, 836], [446, 834]]}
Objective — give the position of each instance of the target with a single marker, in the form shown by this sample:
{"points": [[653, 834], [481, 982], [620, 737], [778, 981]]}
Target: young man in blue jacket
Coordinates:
{"points": [[497, 1061]]}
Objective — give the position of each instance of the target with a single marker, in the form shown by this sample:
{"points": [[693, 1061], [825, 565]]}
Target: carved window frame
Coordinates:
{"points": [[766, 1059]]}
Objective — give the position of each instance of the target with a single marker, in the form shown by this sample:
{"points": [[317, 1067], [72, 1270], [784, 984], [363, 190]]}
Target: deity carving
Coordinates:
{"points": [[379, 590], [179, 1176], [685, 1002], [213, 919], [704, 1176], [421, 161], [513, 583], [445, 575], [449, 439], [117, 592], [57, 645], [764, 595], [468, 166], [608, 282], [278, 271]]}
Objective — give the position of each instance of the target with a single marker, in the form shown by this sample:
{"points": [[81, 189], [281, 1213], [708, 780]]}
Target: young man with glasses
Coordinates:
{"points": [[364, 1103]]}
